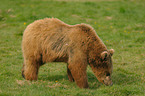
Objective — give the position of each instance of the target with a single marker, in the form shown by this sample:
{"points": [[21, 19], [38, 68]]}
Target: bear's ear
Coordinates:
{"points": [[111, 51], [104, 55]]}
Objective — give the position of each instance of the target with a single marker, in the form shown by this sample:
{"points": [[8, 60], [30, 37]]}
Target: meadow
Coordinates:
{"points": [[119, 23]]}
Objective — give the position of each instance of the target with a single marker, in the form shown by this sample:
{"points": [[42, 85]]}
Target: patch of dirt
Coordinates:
{"points": [[20, 82]]}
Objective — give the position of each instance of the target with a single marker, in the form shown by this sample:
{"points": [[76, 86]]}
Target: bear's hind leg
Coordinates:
{"points": [[71, 79], [30, 70]]}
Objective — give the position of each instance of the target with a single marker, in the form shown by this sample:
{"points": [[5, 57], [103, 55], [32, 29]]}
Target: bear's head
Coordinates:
{"points": [[102, 67]]}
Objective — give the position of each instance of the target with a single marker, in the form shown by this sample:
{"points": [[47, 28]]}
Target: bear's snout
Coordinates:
{"points": [[108, 81]]}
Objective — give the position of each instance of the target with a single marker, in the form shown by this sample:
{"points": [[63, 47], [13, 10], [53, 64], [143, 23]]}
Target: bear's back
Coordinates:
{"points": [[44, 25]]}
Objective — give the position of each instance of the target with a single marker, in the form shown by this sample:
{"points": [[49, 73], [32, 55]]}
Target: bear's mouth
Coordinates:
{"points": [[109, 83]]}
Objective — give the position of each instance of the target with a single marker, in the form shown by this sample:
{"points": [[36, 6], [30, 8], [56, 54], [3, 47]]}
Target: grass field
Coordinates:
{"points": [[119, 23]]}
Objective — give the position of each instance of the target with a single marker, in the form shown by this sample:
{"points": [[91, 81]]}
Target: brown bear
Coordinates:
{"points": [[51, 40]]}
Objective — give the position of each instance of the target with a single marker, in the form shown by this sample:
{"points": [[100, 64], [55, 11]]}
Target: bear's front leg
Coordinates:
{"points": [[79, 74]]}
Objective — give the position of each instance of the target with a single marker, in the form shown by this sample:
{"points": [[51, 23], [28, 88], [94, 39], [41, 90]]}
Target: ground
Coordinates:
{"points": [[119, 23]]}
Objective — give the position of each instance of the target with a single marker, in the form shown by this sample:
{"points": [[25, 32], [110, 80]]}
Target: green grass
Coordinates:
{"points": [[119, 23]]}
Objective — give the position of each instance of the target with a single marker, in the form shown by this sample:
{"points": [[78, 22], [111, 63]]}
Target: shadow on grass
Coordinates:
{"points": [[118, 78], [92, 80], [53, 77]]}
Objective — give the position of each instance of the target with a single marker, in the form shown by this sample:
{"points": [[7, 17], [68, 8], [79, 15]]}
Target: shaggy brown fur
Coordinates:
{"points": [[51, 40]]}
